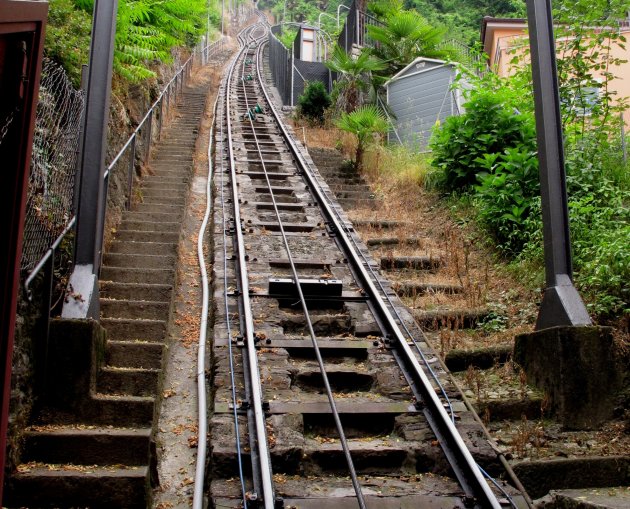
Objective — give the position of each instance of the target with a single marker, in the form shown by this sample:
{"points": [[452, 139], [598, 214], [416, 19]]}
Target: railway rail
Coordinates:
{"points": [[325, 393]]}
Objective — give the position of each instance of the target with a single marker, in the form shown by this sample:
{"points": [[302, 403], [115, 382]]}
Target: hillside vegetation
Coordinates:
{"points": [[484, 162], [147, 31], [463, 17]]}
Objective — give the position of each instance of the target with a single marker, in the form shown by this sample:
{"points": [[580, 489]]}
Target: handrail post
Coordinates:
{"points": [[161, 119], [130, 169], [148, 134]]}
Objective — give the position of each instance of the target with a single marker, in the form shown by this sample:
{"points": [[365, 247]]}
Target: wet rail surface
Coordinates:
{"points": [[325, 393]]}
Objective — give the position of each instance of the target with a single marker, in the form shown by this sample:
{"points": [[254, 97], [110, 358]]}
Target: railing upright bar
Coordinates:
{"points": [[149, 134], [130, 170]]}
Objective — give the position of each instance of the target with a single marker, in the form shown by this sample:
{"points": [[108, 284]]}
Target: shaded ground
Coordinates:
{"points": [[177, 426]]}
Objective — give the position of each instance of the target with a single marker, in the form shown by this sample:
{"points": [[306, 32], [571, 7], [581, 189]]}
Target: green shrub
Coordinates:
{"points": [[68, 37], [490, 126], [313, 102], [146, 30], [506, 196]]}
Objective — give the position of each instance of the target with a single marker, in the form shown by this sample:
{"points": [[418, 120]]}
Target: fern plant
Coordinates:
{"points": [[147, 30]]}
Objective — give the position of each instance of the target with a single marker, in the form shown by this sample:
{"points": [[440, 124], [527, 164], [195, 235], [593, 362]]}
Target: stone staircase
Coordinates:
{"points": [[349, 186], [95, 446]]}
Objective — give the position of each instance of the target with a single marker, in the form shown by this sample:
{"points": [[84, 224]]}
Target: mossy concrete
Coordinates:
{"points": [[576, 367], [76, 350]]}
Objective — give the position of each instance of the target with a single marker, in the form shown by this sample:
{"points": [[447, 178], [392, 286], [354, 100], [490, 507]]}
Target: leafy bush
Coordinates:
{"points": [[146, 30], [488, 155], [314, 101], [68, 37], [507, 194], [489, 127]]}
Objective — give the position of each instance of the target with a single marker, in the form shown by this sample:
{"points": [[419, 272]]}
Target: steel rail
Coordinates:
{"points": [[202, 406], [250, 347], [342, 436], [458, 455]]}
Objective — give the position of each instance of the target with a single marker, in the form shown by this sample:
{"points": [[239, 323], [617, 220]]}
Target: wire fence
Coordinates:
{"points": [[49, 205]]}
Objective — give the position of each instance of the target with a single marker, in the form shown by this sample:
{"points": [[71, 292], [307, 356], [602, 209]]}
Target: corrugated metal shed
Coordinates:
{"points": [[419, 96]]}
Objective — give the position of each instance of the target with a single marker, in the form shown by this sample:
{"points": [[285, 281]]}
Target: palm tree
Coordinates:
{"points": [[405, 36], [354, 81], [364, 123]]}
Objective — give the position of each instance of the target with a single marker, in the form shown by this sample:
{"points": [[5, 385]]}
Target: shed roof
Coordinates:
{"points": [[403, 73]]}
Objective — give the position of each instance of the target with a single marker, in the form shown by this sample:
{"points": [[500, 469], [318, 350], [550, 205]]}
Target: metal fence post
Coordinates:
{"points": [[79, 160], [130, 169], [561, 305], [91, 200], [292, 74], [161, 115], [148, 134]]}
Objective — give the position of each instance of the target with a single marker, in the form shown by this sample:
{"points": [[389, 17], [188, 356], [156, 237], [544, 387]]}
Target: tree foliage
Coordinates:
{"points": [[406, 35], [505, 193], [462, 18], [355, 75], [146, 30]]}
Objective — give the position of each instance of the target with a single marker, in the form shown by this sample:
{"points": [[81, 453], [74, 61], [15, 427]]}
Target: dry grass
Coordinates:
{"points": [[397, 177]]}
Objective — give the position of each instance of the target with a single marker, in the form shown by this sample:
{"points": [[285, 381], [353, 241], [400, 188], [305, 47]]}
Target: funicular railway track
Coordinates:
{"points": [[325, 394]]}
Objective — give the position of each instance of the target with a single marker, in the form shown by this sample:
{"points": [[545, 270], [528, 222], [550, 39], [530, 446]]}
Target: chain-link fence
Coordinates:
{"points": [[49, 204]]}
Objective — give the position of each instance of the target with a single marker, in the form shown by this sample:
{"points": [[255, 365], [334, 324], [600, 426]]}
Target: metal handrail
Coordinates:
{"points": [[176, 80]]}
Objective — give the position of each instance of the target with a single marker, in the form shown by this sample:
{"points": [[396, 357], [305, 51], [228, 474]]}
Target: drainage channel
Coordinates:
{"points": [[319, 398]]}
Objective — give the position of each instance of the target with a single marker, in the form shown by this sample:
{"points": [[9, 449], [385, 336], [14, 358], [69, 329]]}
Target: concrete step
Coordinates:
{"points": [[169, 141], [394, 241], [135, 291], [147, 236], [411, 263], [354, 194], [126, 329], [95, 488], [155, 184], [143, 248], [166, 179], [350, 203], [151, 205], [411, 289], [185, 151], [378, 224], [152, 310], [138, 275], [156, 217], [150, 226], [134, 354], [450, 318], [139, 261], [132, 381], [343, 181], [350, 187], [119, 411], [175, 196], [87, 446]]}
